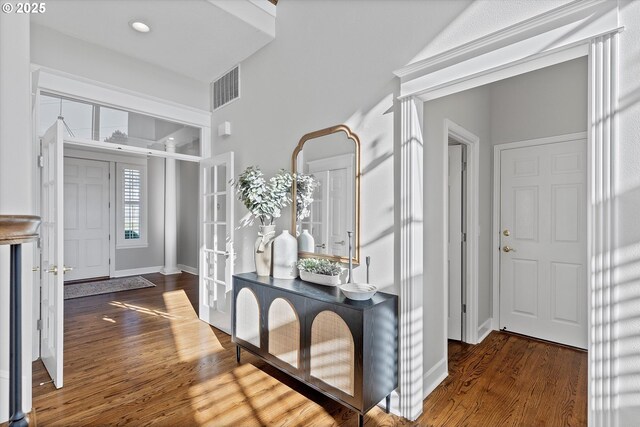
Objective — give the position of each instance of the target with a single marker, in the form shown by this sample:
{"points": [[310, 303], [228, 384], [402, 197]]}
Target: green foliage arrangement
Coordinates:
{"points": [[264, 201], [305, 186], [319, 266]]}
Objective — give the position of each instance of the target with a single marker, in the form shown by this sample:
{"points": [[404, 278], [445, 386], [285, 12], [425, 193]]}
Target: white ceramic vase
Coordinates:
{"points": [[285, 255], [306, 242], [263, 249]]}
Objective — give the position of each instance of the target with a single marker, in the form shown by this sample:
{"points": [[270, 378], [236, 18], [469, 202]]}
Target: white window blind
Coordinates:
{"points": [[132, 193], [132, 210]]}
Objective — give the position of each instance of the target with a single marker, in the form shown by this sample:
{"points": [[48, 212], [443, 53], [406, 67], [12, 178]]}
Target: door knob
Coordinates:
{"points": [[341, 242], [508, 249], [506, 232], [36, 268], [322, 246], [54, 270]]}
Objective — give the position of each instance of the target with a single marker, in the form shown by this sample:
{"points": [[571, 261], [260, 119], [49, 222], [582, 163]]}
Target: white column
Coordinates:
{"points": [[170, 214], [17, 162], [410, 262], [603, 134]]}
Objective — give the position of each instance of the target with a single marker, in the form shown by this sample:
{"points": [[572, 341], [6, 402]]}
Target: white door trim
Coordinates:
{"points": [[495, 212], [580, 28], [472, 142]]}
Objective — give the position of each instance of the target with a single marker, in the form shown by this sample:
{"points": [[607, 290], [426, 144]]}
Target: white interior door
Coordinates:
{"points": [[543, 276], [52, 233], [455, 243], [216, 240], [86, 218]]}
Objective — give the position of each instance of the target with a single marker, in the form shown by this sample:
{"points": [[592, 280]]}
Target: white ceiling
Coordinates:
{"points": [[195, 38]]}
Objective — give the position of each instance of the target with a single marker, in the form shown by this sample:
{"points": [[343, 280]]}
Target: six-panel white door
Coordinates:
{"points": [[543, 277], [52, 249], [86, 218], [216, 240]]}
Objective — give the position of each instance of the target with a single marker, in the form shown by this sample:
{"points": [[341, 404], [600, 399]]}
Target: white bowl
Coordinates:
{"points": [[358, 291]]}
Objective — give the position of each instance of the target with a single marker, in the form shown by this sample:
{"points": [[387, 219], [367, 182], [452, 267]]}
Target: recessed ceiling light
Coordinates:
{"points": [[140, 27]]}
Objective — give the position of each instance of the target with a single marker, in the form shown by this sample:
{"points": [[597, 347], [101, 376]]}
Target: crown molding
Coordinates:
{"points": [[503, 35]]}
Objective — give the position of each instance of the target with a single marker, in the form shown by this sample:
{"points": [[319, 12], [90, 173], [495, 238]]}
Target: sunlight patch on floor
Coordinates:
{"points": [[143, 310], [250, 397], [193, 339]]}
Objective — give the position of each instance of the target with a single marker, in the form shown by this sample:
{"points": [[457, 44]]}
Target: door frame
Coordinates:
{"points": [[471, 181], [576, 29], [495, 212]]}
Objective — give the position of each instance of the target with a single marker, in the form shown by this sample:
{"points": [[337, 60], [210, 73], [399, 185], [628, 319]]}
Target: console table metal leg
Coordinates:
{"points": [[387, 401], [17, 417], [360, 420], [238, 353]]}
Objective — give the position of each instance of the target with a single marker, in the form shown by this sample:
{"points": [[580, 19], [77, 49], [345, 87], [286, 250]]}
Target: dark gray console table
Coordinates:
{"points": [[347, 350]]}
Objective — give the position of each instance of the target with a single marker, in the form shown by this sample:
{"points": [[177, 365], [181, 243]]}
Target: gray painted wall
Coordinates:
{"points": [[331, 64], [153, 254], [547, 102], [188, 177]]}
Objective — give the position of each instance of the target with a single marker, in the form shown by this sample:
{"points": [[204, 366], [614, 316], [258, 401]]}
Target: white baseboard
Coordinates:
{"points": [[485, 329], [137, 271], [187, 269], [434, 377]]}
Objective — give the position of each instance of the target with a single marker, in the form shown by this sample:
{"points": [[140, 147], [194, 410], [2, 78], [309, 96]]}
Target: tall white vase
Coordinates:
{"points": [[285, 255], [306, 242], [263, 249]]}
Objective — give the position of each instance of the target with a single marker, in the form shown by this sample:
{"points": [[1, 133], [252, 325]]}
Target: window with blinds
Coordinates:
{"points": [[132, 210], [132, 191]]}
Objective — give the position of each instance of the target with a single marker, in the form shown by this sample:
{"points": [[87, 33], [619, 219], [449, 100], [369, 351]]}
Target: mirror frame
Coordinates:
{"points": [[317, 134]]}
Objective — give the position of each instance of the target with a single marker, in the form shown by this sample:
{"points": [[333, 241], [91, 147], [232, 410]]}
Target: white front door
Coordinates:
{"points": [[216, 240], [52, 233], [543, 275], [86, 218], [454, 318]]}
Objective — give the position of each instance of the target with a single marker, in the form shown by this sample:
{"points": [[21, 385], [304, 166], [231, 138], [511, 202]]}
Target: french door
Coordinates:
{"points": [[216, 240], [52, 248]]}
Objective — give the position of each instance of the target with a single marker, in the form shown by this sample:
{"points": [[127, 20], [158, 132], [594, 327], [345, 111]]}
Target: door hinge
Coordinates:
{"points": [[39, 324], [464, 166], [464, 308], [109, 261], [464, 237], [41, 161]]}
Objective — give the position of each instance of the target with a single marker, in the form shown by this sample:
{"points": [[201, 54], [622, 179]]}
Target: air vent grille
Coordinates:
{"points": [[226, 88]]}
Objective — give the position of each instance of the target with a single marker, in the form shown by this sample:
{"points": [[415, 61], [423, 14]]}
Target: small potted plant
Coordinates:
{"points": [[320, 271]]}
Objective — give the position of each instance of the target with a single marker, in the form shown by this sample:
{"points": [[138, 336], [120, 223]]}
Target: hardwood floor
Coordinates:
{"points": [[142, 357]]}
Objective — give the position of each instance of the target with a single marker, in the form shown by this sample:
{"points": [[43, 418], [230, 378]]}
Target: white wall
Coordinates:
{"points": [[55, 50], [627, 205], [331, 63], [16, 188]]}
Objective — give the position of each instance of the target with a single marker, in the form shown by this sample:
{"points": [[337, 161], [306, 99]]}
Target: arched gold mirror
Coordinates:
{"points": [[327, 194]]}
